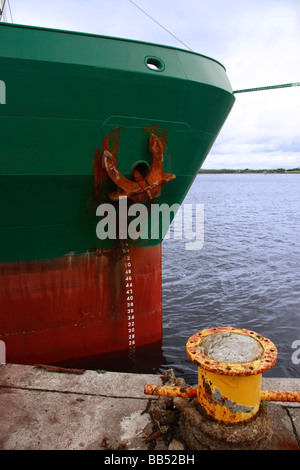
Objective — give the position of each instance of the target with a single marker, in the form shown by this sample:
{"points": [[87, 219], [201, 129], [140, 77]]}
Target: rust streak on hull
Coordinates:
{"points": [[76, 306]]}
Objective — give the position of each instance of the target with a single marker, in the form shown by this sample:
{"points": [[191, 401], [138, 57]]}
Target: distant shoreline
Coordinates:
{"points": [[247, 171]]}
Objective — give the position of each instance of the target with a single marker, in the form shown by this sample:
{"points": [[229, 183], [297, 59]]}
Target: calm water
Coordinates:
{"points": [[247, 275]]}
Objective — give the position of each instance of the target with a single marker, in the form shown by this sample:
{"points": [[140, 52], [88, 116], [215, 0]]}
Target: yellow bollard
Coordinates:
{"points": [[230, 366]]}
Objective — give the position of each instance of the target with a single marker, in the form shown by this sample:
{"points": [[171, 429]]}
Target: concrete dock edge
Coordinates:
{"points": [[42, 409]]}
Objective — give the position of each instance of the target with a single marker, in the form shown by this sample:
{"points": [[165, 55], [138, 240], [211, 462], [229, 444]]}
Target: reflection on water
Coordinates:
{"points": [[144, 360]]}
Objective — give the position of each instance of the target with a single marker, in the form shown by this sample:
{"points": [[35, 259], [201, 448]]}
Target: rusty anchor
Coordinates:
{"points": [[141, 188]]}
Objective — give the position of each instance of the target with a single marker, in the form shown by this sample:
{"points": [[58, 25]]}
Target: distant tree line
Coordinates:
{"points": [[248, 170]]}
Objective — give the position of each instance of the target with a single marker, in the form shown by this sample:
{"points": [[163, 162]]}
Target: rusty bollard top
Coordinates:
{"points": [[258, 355]]}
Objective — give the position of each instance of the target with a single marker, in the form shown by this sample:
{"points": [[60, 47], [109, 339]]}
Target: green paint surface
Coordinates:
{"points": [[65, 92]]}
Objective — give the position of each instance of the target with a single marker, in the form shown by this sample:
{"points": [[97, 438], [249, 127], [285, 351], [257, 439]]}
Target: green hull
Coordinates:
{"points": [[65, 92], [65, 98]]}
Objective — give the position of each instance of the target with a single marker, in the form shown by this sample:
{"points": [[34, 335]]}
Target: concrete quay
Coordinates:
{"points": [[51, 409]]}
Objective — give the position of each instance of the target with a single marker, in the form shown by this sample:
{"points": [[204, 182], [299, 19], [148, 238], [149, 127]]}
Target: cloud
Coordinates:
{"points": [[258, 42], [262, 130]]}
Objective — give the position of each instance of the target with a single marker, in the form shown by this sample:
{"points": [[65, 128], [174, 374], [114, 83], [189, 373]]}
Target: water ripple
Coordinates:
{"points": [[247, 273]]}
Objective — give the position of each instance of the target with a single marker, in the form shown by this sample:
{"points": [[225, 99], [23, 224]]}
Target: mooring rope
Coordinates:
{"points": [[2, 11], [159, 24], [272, 87]]}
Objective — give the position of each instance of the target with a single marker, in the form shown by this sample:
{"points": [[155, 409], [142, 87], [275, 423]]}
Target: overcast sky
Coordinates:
{"points": [[258, 41]]}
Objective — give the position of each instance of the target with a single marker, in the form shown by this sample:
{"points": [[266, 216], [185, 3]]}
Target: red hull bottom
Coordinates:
{"points": [[80, 305]]}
